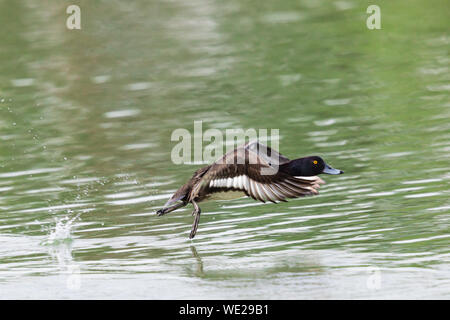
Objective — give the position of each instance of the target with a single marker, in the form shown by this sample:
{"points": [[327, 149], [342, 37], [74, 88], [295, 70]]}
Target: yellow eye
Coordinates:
{"points": [[315, 161]]}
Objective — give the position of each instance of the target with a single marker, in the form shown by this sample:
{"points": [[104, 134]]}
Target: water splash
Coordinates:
{"points": [[61, 233]]}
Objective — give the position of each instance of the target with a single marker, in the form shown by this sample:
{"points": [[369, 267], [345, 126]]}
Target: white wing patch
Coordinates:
{"points": [[275, 191], [238, 182]]}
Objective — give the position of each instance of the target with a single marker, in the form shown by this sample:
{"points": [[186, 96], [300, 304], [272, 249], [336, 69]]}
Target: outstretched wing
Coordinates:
{"points": [[253, 169]]}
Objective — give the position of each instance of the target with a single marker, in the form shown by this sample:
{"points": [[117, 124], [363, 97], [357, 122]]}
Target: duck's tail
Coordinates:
{"points": [[166, 210], [171, 205]]}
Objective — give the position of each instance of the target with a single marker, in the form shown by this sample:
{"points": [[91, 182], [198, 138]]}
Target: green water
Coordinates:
{"points": [[86, 118]]}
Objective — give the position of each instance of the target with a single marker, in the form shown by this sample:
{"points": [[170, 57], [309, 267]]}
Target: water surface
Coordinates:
{"points": [[86, 118]]}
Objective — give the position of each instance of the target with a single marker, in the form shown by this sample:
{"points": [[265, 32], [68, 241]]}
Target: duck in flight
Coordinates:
{"points": [[255, 170]]}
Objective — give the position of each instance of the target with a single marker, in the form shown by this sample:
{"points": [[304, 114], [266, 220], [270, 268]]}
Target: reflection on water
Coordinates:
{"points": [[85, 124], [199, 263]]}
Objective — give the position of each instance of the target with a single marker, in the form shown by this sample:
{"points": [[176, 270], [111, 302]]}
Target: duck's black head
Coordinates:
{"points": [[309, 166]]}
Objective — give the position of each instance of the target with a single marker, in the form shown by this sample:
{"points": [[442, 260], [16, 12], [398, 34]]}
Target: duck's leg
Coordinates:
{"points": [[196, 214], [163, 211]]}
